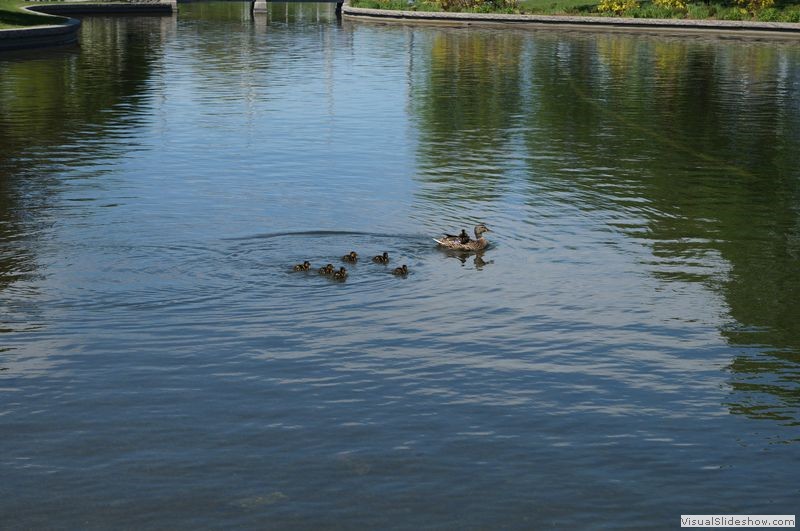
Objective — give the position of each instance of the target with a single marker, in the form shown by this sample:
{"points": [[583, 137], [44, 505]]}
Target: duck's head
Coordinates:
{"points": [[480, 229]]}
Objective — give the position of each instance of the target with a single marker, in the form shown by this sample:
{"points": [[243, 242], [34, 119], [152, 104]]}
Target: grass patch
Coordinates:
{"points": [[397, 5], [557, 7], [786, 12], [12, 16]]}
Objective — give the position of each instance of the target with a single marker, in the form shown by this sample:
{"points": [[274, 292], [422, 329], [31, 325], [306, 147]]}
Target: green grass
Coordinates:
{"points": [[708, 11], [12, 16], [524, 6], [397, 5], [557, 7], [788, 12]]}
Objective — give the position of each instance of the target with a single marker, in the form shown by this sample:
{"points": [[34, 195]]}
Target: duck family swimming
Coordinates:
{"points": [[462, 242], [456, 242], [341, 274]]}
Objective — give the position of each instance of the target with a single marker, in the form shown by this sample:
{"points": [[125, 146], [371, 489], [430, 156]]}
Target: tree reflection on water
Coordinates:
{"points": [[697, 137]]}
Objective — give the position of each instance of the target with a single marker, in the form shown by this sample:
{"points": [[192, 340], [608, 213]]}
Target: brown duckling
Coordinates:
{"points": [[341, 274], [381, 259], [351, 257], [327, 270], [305, 266], [401, 271]]}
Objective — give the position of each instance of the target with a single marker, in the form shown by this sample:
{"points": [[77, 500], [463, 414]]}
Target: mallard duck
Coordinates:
{"points": [[327, 270], [402, 270], [305, 266], [458, 243], [381, 258], [341, 274], [351, 257]]}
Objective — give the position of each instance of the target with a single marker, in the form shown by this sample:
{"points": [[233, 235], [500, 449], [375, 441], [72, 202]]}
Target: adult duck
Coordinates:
{"points": [[460, 243]]}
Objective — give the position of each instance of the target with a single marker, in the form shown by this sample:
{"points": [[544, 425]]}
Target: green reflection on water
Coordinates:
{"points": [[697, 138], [49, 99]]}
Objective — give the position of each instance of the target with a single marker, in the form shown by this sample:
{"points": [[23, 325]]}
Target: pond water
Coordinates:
{"points": [[626, 351]]}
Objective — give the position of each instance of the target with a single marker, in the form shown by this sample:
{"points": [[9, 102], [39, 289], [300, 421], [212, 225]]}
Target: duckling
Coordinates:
{"points": [[381, 259], [351, 257], [464, 237], [400, 271], [305, 266], [327, 270], [341, 274]]}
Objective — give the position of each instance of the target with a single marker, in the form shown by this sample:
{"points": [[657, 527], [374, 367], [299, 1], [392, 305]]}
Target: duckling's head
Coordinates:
{"points": [[480, 229], [353, 255], [306, 264], [342, 271], [385, 255]]}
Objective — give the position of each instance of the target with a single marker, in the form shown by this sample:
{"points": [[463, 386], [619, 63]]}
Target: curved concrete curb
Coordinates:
{"points": [[65, 30], [62, 31], [788, 28]]}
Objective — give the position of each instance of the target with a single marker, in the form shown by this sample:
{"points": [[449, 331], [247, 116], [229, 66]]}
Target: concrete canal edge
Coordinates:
{"points": [[64, 30], [587, 22]]}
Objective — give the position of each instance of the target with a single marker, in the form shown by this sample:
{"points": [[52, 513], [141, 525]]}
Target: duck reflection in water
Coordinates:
{"points": [[462, 256]]}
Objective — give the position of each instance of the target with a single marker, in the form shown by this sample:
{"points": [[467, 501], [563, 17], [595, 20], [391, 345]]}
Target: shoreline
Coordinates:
{"points": [[64, 30], [63, 33], [785, 29]]}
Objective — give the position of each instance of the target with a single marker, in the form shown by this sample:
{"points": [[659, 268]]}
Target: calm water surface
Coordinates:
{"points": [[627, 351]]}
